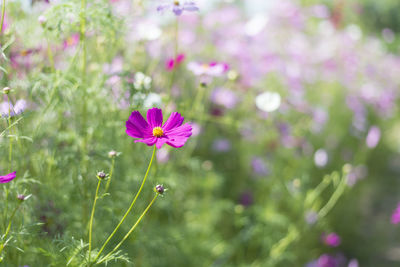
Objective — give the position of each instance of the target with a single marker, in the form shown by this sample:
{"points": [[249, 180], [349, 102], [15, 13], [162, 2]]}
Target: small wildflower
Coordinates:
{"points": [[7, 108], [101, 175], [112, 154], [321, 158], [159, 189], [153, 132], [177, 7], [373, 137], [331, 239], [7, 178]]}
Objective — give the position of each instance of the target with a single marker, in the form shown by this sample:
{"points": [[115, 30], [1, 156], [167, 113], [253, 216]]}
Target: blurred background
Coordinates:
{"points": [[294, 158]]}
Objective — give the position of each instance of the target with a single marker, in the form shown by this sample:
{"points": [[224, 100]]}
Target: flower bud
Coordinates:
{"points": [[101, 175], [159, 189], [42, 19], [6, 90], [21, 197]]}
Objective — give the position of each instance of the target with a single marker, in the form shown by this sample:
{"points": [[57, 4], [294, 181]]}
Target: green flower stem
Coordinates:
{"points": [[111, 174], [130, 207], [131, 230], [91, 218], [9, 227], [334, 198], [3, 11]]}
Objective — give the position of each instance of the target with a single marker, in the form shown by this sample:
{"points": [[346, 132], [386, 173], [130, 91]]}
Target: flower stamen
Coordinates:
{"points": [[158, 132]]}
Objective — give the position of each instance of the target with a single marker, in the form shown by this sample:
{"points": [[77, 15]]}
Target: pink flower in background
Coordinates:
{"points": [[224, 97], [373, 137], [208, 69], [331, 239], [396, 215], [71, 41], [173, 63], [7, 178], [153, 132]]}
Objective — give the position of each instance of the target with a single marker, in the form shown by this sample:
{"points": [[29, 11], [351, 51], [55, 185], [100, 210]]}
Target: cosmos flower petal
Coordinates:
{"points": [[7, 178], [161, 141], [175, 120], [184, 130], [177, 141], [190, 6], [150, 141], [163, 7], [155, 117], [137, 126], [177, 10]]}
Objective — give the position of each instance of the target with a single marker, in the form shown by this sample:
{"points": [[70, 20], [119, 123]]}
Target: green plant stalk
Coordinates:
{"points": [[176, 43], [9, 227], [333, 200], [91, 218], [111, 174], [131, 230], [130, 207], [3, 11]]}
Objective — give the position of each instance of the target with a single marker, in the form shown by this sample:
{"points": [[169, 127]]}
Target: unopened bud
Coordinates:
{"points": [[101, 175], [112, 154], [6, 90], [159, 189]]}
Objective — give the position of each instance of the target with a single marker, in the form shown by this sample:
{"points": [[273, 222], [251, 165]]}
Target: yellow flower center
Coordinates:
{"points": [[205, 66], [158, 132], [176, 3]]}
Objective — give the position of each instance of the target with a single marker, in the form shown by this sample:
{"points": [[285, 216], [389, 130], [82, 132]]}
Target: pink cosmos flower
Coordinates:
{"points": [[71, 41], [208, 69], [7, 178], [153, 132], [174, 62]]}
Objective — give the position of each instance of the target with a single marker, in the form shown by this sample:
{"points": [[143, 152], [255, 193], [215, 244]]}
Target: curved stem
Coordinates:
{"points": [[130, 207], [111, 174], [91, 218], [9, 227], [131, 230], [3, 11]]}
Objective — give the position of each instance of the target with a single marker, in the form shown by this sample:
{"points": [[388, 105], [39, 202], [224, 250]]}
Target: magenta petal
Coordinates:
{"points": [[184, 130], [136, 126], [161, 141], [177, 141], [148, 141], [7, 178], [155, 117], [175, 120]]}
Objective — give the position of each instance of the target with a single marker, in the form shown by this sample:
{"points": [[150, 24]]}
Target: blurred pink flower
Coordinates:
{"points": [[331, 239]]}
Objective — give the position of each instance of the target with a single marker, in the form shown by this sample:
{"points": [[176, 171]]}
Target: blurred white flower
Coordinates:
{"points": [[320, 158], [152, 100], [141, 81], [255, 25], [268, 101]]}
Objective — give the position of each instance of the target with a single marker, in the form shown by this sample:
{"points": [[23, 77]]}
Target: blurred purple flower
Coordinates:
{"points": [[162, 155], [246, 198], [177, 7], [7, 178], [326, 260], [311, 217], [259, 167], [221, 145], [224, 97], [353, 263], [373, 137], [196, 128], [396, 215], [7, 108], [331, 239]]}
